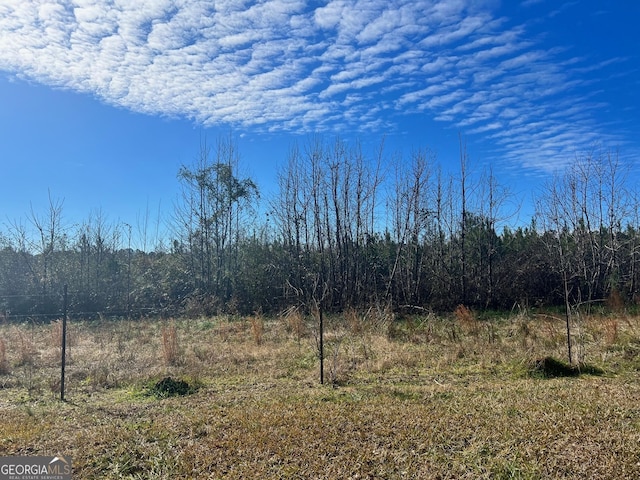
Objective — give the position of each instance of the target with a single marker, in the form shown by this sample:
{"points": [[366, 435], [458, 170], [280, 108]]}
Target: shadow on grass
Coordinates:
{"points": [[549, 367]]}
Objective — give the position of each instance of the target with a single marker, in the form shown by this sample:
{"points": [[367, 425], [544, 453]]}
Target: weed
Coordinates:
{"points": [[56, 333], [202, 354], [4, 362], [56, 338], [205, 325], [354, 321], [170, 349], [101, 376], [492, 334], [615, 302], [610, 326], [394, 331], [26, 349], [527, 334], [335, 364], [257, 328], [381, 318], [466, 319], [295, 322], [54, 386]]}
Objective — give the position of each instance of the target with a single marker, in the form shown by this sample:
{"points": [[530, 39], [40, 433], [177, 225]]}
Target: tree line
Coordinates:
{"points": [[347, 228]]}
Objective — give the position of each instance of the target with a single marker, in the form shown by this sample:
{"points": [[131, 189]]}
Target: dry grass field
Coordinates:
{"points": [[415, 397]]}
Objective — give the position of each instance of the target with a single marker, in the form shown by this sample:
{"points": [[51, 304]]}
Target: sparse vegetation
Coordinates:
{"points": [[295, 322], [424, 402], [466, 319], [170, 349], [257, 328], [4, 364], [26, 349]]}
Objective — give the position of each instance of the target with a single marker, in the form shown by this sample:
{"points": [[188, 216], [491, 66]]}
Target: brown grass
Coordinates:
{"points": [[56, 333], [4, 363], [466, 319], [257, 328], [610, 326], [423, 403], [170, 348], [26, 348], [354, 321], [294, 322]]}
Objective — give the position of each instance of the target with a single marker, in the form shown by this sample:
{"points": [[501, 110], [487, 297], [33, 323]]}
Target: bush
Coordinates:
{"points": [[168, 387]]}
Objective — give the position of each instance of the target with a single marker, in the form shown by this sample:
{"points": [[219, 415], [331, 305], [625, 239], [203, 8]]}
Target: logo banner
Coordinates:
{"points": [[35, 468]]}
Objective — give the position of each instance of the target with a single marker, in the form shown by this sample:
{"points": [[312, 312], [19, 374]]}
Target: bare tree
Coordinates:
{"points": [[209, 214], [583, 209], [49, 230], [492, 211], [463, 219], [411, 215], [325, 214], [555, 219]]}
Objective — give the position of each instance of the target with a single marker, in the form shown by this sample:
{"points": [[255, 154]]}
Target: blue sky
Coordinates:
{"points": [[102, 101]]}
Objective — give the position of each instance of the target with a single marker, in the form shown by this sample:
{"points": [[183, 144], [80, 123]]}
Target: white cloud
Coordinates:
{"points": [[283, 65], [329, 15]]}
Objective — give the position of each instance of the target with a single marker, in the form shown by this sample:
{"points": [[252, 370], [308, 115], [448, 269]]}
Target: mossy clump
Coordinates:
{"points": [[169, 387], [549, 367]]}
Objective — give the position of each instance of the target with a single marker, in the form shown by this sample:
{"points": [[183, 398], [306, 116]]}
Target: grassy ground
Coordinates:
{"points": [[418, 397]]}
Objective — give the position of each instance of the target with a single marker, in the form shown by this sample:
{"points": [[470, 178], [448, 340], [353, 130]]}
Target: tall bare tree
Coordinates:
{"points": [[209, 214], [49, 232]]}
